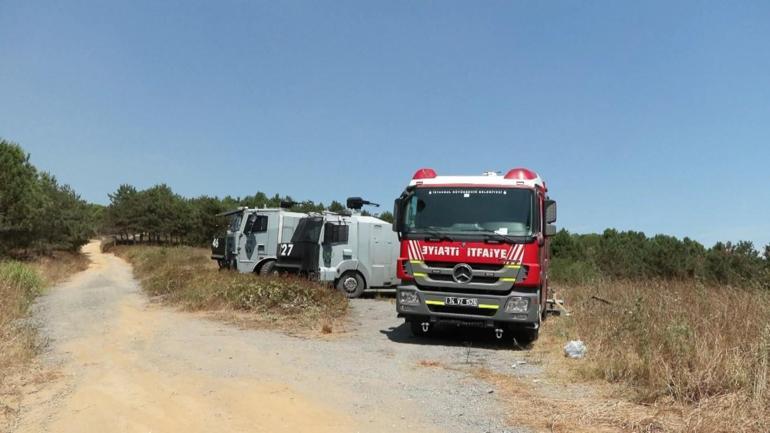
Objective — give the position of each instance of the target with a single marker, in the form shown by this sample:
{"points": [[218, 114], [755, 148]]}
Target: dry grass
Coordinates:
{"points": [[59, 266], [677, 340], [188, 278], [682, 358], [570, 408], [20, 284]]}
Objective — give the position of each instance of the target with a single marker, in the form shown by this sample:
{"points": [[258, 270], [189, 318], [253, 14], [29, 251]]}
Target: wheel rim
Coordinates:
{"points": [[350, 284]]}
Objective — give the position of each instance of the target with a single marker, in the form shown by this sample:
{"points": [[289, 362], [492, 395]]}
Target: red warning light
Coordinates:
{"points": [[521, 174], [424, 173]]}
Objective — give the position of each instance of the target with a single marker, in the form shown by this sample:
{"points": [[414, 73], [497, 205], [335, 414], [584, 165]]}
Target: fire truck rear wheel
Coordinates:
{"points": [[351, 284]]}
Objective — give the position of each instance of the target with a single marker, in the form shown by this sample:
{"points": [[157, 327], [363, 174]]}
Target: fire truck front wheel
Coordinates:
{"points": [[352, 284]]}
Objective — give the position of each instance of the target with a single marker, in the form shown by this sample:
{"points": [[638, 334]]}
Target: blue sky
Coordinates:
{"points": [[651, 116]]}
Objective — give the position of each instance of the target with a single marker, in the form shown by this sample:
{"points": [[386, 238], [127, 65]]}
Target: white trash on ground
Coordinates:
{"points": [[575, 349]]}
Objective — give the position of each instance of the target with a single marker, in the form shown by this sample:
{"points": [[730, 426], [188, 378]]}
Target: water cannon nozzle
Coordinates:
{"points": [[356, 203]]}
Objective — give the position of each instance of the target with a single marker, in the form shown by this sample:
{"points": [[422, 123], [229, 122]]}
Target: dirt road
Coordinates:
{"points": [[128, 365]]}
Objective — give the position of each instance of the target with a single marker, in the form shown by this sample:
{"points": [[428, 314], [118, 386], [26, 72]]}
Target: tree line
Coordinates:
{"points": [[582, 258], [37, 213], [159, 215]]}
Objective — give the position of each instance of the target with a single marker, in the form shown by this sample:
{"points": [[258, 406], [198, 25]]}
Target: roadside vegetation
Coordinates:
{"points": [[187, 277], [629, 255], [702, 351], [20, 284], [37, 214], [680, 328], [43, 224]]}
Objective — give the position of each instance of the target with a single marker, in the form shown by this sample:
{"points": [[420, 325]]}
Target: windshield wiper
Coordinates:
{"points": [[432, 234], [490, 235]]}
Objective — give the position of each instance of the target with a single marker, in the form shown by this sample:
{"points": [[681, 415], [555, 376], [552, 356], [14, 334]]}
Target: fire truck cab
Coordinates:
{"points": [[474, 251]]}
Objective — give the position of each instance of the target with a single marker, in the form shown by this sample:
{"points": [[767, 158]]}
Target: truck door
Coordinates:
{"points": [[253, 240]]}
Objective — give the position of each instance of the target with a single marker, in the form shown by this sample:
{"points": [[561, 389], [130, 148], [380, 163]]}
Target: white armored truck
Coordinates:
{"points": [[353, 252], [252, 238]]}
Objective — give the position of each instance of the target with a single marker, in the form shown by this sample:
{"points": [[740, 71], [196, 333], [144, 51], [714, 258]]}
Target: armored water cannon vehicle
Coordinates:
{"points": [[252, 238], [475, 251], [353, 252]]}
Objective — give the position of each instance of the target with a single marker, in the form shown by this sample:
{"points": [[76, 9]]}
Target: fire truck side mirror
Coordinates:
{"points": [[550, 230], [397, 224], [550, 211]]}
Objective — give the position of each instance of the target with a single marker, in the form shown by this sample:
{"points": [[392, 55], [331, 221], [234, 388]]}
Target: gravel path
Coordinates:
{"points": [[131, 366]]}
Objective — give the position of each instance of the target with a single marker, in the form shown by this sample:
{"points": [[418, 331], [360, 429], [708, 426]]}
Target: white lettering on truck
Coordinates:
{"points": [[440, 250], [448, 251], [493, 253]]}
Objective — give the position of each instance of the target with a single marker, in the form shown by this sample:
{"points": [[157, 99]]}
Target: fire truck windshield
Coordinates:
{"points": [[308, 230], [466, 210]]}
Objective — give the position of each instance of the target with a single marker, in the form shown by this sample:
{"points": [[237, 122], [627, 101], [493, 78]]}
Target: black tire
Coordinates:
{"points": [[524, 337], [351, 284], [267, 268]]}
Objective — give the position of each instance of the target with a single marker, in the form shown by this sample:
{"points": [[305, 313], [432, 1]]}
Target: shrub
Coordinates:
{"points": [[187, 277]]}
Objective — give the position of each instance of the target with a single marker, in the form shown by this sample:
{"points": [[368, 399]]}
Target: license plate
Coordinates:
{"points": [[464, 302]]}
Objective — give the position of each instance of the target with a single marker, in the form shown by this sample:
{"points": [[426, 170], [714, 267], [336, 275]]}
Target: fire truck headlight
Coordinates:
{"points": [[517, 304], [407, 297]]}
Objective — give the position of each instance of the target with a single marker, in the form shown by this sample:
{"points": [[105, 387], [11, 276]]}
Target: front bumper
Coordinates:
{"points": [[432, 307], [327, 274]]}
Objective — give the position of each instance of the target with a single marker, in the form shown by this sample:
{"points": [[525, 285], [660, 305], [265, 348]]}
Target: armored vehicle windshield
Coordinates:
{"points": [[308, 230]]}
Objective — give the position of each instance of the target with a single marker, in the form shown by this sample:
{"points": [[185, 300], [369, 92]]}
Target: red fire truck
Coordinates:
{"points": [[475, 251]]}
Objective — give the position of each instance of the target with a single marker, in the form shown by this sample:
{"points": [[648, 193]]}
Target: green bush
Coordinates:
{"points": [[19, 285], [632, 255]]}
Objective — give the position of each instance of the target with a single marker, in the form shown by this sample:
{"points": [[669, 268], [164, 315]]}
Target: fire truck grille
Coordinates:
{"points": [[477, 266], [448, 278]]}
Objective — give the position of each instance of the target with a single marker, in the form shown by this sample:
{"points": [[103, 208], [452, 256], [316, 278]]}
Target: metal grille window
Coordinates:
{"points": [[256, 223], [336, 233]]}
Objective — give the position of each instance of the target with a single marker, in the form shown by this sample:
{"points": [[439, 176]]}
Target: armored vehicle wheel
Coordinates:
{"points": [[351, 284], [267, 268]]}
